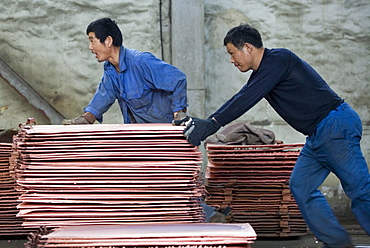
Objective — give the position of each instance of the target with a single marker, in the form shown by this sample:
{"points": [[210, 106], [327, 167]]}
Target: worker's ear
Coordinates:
{"points": [[248, 48], [108, 41]]}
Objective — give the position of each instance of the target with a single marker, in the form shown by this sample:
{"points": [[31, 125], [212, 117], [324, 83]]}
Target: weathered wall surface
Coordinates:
{"points": [[45, 43]]}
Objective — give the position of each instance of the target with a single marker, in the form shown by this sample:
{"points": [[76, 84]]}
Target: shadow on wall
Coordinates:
{"points": [[6, 135]]}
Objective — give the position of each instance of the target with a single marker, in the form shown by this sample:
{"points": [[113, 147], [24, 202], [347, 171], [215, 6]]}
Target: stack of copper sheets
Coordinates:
{"points": [[107, 174], [254, 181], [193, 235], [9, 223]]}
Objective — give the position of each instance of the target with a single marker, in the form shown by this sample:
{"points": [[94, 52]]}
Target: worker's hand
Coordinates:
{"points": [[180, 118], [198, 130], [78, 120], [86, 118]]}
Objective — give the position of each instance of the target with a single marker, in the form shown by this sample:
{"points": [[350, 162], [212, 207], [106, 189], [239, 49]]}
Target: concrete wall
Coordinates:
{"points": [[45, 43], [188, 49]]}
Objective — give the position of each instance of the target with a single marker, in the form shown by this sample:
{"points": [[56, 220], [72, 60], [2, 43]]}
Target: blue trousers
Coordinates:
{"points": [[334, 147]]}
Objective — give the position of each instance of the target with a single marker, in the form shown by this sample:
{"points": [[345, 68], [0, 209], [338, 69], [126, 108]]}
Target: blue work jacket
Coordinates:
{"points": [[146, 88]]}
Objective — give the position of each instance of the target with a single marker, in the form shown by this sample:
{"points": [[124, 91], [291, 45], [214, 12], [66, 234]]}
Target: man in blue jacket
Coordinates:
{"points": [[306, 102], [148, 90]]}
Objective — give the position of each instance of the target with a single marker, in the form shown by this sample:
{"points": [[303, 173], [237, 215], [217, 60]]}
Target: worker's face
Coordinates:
{"points": [[101, 50], [242, 59]]}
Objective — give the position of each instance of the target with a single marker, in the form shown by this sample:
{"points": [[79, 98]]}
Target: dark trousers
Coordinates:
{"points": [[334, 147]]}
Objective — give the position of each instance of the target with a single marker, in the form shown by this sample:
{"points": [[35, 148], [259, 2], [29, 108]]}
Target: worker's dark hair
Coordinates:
{"points": [[105, 27], [242, 34]]}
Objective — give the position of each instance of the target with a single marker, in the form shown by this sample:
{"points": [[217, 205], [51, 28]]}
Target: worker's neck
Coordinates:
{"points": [[114, 58], [258, 55]]}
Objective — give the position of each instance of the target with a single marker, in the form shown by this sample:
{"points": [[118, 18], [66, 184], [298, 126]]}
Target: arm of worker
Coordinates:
{"points": [[257, 87], [197, 130], [86, 118], [262, 82], [104, 97]]}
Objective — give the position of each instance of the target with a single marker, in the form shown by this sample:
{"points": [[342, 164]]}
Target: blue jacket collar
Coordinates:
{"points": [[122, 64]]}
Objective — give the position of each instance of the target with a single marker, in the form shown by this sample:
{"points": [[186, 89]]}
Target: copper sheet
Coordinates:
{"points": [[100, 174], [10, 224], [253, 181], [150, 235]]}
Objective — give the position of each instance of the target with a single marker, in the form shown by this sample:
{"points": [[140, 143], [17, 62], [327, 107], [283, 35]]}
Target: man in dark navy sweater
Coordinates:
{"points": [[306, 102]]}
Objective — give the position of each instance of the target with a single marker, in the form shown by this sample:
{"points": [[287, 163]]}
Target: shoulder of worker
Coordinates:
{"points": [[129, 53], [280, 53]]}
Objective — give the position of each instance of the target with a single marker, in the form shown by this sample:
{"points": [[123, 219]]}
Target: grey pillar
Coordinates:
{"points": [[187, 41]]}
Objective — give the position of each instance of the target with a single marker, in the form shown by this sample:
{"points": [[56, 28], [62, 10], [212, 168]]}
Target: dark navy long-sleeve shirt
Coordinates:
{"points": [[291, 86], [146, 88]]}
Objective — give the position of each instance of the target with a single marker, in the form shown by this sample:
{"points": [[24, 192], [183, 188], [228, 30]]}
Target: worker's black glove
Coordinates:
{"points": [[198, 130]]}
